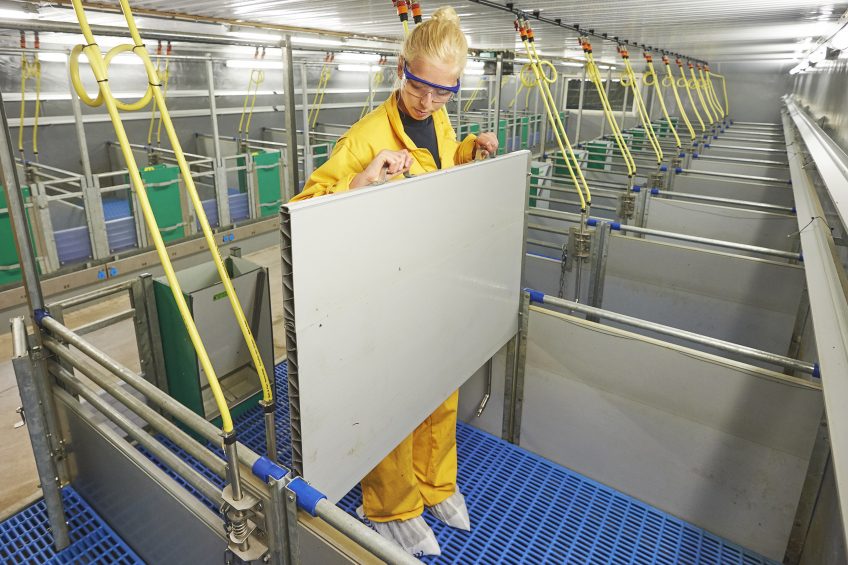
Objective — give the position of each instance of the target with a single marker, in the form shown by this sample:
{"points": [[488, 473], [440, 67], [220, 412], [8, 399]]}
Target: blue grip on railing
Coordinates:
{"points": [[307, 496], [39, 314], [678, 170], [695, 155], [663, 168], [264, 468], [655, 191], [694, 144], [615, 226], [681, 154], [592, 222], [715, 137], [535, 295], [794, 211], [636, 188], [816, 370]]}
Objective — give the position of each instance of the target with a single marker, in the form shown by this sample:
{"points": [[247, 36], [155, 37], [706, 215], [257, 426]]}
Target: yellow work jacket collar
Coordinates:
{"points": [[444, 131]]}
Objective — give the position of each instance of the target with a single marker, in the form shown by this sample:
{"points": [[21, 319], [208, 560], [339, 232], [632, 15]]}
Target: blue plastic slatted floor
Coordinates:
{"points": [[525, 509], [25, 537]]}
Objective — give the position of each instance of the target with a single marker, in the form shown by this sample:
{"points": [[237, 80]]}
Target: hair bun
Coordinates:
{"points": [[446, 14]]}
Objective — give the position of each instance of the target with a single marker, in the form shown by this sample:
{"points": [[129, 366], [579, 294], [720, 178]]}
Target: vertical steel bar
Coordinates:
{"points": [[580, 106], [220, 179], [607, 90], [290, 118], [307, 144], [496, 86], [38, 434]]}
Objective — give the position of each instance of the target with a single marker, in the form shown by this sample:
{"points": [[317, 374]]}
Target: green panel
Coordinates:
{"points": [[525, 132], [8, 251], [269, 180], [242, 175], [320, 154], [597, 157], [638, 138], [502, 136], [180, 357], [163, 191]]}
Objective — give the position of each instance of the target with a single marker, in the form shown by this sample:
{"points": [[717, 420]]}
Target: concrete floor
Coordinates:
{"points": [[20, 485]]}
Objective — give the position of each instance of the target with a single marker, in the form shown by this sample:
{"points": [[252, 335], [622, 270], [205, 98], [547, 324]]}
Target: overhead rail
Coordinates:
{"points": [[576, 28], [99, 65]]}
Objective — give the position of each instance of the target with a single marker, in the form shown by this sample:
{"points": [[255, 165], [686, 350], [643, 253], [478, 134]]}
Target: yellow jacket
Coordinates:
{"points": [[382, 129]]}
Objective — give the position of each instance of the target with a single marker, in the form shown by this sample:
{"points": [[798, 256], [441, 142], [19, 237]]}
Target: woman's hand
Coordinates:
{"points": [[487, 142], [394, 163]]}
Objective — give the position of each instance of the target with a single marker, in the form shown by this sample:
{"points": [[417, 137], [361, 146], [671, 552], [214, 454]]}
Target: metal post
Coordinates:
{"points": [[290, 119], [307, 144], [370, 89], [607, 90], [580, 106], [496, 86], [282, 539], [38, 433], [600, 249], [82, 144], [624, 107], [220, 179]]}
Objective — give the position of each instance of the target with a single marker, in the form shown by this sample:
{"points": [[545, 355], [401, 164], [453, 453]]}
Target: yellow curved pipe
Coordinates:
{"points": [[658, 92], [640, 106], [567, 151], [673, 84], [689, 94], [700, 96], [99, 66]]}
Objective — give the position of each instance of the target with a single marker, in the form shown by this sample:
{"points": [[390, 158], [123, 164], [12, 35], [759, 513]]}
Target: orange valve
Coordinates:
{"points": [[402, 10], [416, 12]]}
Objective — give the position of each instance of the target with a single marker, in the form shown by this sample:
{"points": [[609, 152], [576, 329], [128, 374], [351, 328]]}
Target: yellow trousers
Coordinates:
{"points": [[419, 472]]}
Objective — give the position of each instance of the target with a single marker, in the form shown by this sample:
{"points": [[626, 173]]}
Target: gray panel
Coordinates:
{"points": [[471, 393], [132, 495], [720, 166], [738, 299], [765, 229], [723, 188], [693, 434], [825, 544]]}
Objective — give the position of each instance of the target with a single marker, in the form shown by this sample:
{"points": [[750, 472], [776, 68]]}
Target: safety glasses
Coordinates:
{"points": [[420, 88]]}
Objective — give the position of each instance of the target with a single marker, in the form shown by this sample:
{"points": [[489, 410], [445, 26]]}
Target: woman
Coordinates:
{"points": [[410, 133]]}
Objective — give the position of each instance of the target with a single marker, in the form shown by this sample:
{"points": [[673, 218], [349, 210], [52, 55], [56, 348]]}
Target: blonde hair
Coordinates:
{"points": [[438, 38]]}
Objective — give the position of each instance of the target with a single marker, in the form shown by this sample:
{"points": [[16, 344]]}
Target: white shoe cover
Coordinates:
{"points": [[413, 535], [453, 512]]}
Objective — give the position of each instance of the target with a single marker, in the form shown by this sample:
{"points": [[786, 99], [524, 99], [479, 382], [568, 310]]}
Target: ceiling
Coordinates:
{"points": [[763, 31]]}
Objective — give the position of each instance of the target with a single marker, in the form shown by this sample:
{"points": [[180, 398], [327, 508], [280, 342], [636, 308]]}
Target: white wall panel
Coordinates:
{"points": [[714, 442], [401, 292]]}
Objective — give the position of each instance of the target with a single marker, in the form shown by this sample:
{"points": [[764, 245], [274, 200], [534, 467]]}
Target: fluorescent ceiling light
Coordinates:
{"points": [[314, 41], [359, 68], [569, 64], [358, 57], [253, 64], [56, 58], [255, 35], [6, 14]]}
